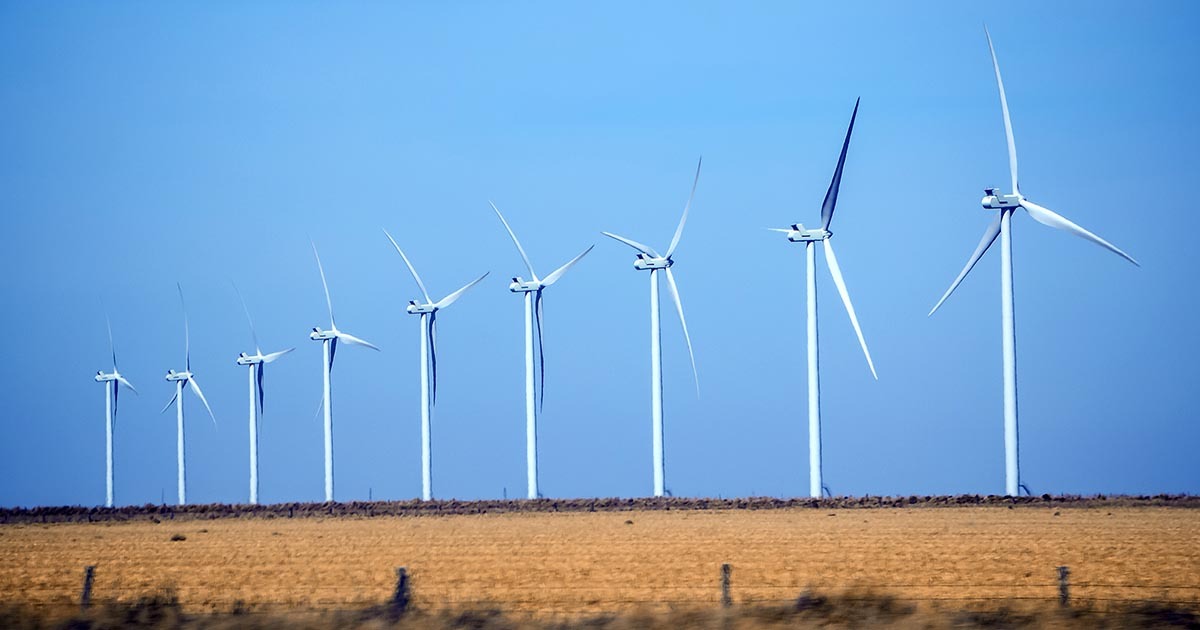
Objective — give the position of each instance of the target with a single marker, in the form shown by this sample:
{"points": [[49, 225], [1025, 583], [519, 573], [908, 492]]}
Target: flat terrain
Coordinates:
{"points": [[592, 561]]}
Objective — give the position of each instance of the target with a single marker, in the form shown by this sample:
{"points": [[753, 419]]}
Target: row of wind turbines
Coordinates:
{"points": [[647, 259]]}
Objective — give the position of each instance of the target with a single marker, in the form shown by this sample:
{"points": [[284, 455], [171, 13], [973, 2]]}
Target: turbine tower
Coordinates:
{"points": [[798, 234], [428, 312], [181, 378], [650, 260], [329, 341], [532, 289], [256, 362], [113, 382], [1005, 206]]}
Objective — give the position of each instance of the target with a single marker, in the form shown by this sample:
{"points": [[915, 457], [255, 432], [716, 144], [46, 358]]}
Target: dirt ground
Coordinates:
{"points": [[587, 562]]}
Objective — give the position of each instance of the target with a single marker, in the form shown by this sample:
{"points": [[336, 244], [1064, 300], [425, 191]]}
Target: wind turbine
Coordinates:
{"points": [[798, 234], [256, 362], [113, 382], [1005, 206], [180, 378], [428, 312], [533, 312], [329, 340], [650, 260]]}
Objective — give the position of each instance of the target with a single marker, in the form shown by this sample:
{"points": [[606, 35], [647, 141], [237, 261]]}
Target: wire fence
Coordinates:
{"points": [[606, 596]]}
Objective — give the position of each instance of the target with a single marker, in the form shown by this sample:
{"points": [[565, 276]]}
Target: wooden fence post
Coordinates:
{"points": [[85, 598], [1064, 587], [726, 597], [401, 598]]}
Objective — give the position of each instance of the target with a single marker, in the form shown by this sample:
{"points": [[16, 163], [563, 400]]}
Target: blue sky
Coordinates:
{"points": [[147, 144]]}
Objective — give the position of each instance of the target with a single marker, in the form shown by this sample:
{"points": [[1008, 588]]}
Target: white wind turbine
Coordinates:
{"points": [[648, 259], [1005, 206], [256, 362], [533, 312], [113, 382], [428, 312], [179, 378], [329, 340], [797, 234]]}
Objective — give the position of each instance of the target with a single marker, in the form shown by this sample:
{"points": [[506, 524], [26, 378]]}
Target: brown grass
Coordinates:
{"points": [[980, 558]]}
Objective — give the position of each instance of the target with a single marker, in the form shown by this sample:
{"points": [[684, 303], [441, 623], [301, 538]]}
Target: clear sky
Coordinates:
{"points": [[145, 144]]}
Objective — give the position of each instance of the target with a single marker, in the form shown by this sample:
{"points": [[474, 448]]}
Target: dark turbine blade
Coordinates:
{"points": [[541, 353], [260, 368], [832, 194]]}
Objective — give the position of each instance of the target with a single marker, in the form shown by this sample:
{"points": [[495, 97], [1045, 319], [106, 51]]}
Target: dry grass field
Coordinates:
{"points": [[571, 563]]}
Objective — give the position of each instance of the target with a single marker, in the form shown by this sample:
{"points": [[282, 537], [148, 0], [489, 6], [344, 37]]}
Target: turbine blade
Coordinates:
{"points": [[332, 351], [355, 341], [122, 381], [116, 391], [645, 249], [112, 348], [325, 285], [453, 297], [515, 241], [199, 394], [246, 309], [411, 269], [686, 208], [836, 271], [831, 194], [679, 307], [432, 323], [989, 237], [187, 337], [1008, 132], [258, 376], [270, 358], [558, 273], [1045, 216], [783, 230], [537, 313], [170, 402]]}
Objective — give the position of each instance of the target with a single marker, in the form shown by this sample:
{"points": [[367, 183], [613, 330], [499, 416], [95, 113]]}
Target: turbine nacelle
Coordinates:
{"points": [[101, 377], [524, 286], [800, 235], [421, 309], [321, 335], [993, 201], [645, 262], [173, 376], [249, 359]]}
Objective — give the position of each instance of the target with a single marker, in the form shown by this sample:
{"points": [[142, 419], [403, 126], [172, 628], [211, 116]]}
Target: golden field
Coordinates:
{"points": [[581, 562]]}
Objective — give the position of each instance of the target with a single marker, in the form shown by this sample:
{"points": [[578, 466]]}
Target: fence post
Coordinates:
{"points": [[726, 598], [400, 599], [85, 598], [1064, 587]]}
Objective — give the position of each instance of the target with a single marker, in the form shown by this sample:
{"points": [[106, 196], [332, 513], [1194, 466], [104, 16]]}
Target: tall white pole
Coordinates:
{"points": [[814, 382], [253, 440], [531, 470], [426, 455], [656, 411], [328, 423], [109, 389], [1012, 478], [179, 441]]}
